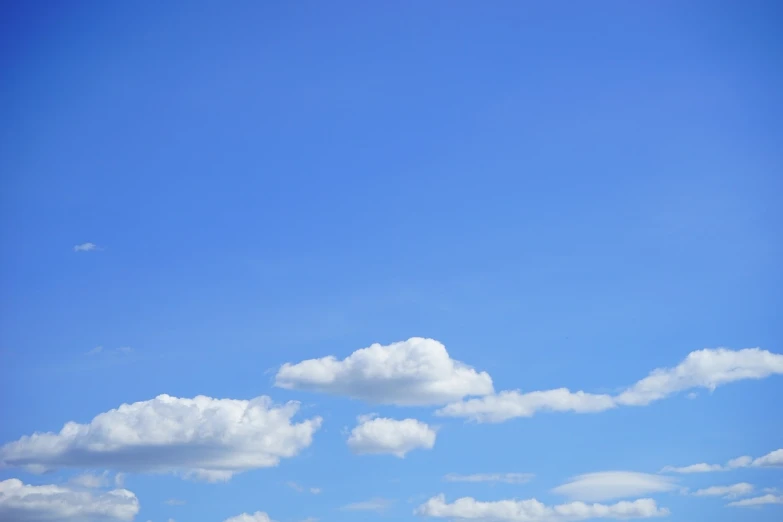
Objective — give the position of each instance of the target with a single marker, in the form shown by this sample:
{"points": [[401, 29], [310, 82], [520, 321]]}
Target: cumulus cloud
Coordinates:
{"points": [[510, 404], [85, 247], [757, 501], [204, 438], [607, 485], [735, 490], [390, 436], [374, 504], [507, 478], [708, 368], [258, 516], [415, 372], [772, 459], [534, 511], [25, 503]]}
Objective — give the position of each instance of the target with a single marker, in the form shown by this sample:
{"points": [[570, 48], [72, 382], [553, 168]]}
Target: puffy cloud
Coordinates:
{"points": [[735, 490], [607, 485], [374, 504], [507, 478], [772, 459], [510, 404], [85, 247], [413, 372], [757, 501], [25, 503], [534, 511], [390, 436], [205, 438], [708, 368], [703, 369], [258, 516]]}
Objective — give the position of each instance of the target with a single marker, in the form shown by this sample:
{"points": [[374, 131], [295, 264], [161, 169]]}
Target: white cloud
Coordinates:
{"points": [[534, 511], [85, 247], [772, 459], [413, 372], [758, 501], [25, 503], [735, 490], [507, 478], [89, 480], [708, 368], [510, 404], [607, 485], [390, 436], [258, 516], [315, 491], [95, 351], [204, 438], [375, 504]]}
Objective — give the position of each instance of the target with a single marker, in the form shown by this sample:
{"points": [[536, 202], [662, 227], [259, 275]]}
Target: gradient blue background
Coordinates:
{"points": [[563, 193]]}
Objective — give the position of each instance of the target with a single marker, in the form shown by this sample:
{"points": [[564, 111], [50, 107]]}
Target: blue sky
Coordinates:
{"points": [[562, 195]]}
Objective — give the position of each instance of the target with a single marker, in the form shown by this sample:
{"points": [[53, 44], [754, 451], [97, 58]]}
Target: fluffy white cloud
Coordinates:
{"points": [[772, 459], [413, 372], [607, 485], [25, 503], [534, 511], [374, 504], [507, 478], [510, 404], [703, 369], [757, 501], [85, 247], [735, 490], [390, 436], [201, 437], [707, 368], [258, 516]]}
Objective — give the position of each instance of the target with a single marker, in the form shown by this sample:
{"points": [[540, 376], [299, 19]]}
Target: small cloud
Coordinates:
{"points": [[374, 504], [508, 478], [85, 247], [315, 491], [119, 480], [175, 502], [757, 501], [692, 395], [125, 349], [95, 351], [293, 485]]}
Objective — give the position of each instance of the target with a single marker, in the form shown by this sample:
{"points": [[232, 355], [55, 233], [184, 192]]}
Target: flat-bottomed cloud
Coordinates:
{"points": [[390, 436]]}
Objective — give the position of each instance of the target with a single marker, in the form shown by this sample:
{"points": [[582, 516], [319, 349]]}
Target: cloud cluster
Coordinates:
{"points": [[390, 436], [532, 510], [204, 438], [25, 503], [773, 459], [506, 478], [416, 372], [608, 485], [708, 368]]}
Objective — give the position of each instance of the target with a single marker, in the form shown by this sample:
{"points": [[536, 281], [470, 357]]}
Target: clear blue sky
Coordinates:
{"points": [[563, 194]]}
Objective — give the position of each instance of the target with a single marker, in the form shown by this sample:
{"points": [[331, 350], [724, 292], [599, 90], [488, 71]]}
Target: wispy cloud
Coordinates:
{"points": [[757, 501], [175, 502], [507, 478], [735, 490], [86, 247], [375, 504]]}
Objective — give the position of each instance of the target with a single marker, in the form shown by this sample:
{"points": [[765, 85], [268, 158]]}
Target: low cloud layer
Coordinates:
{"points": [[413, 372], [609, 485], [390, 436], [773, 459], [204, 438], [25, 503], [506, 478], [532, 510], [707, 368]]}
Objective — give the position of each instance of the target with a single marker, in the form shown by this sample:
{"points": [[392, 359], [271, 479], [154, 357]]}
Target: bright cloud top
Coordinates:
{"points": [[258, 516], [413, 372], [534, 511], [707, 368], [24, 503], [607, 485], [506, 478], [772, 459], [390, 436], [757, 501], [205, 438], [735, 490]]}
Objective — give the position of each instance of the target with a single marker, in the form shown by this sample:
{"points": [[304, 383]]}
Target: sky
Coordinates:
{"points": [[410, 261]]}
